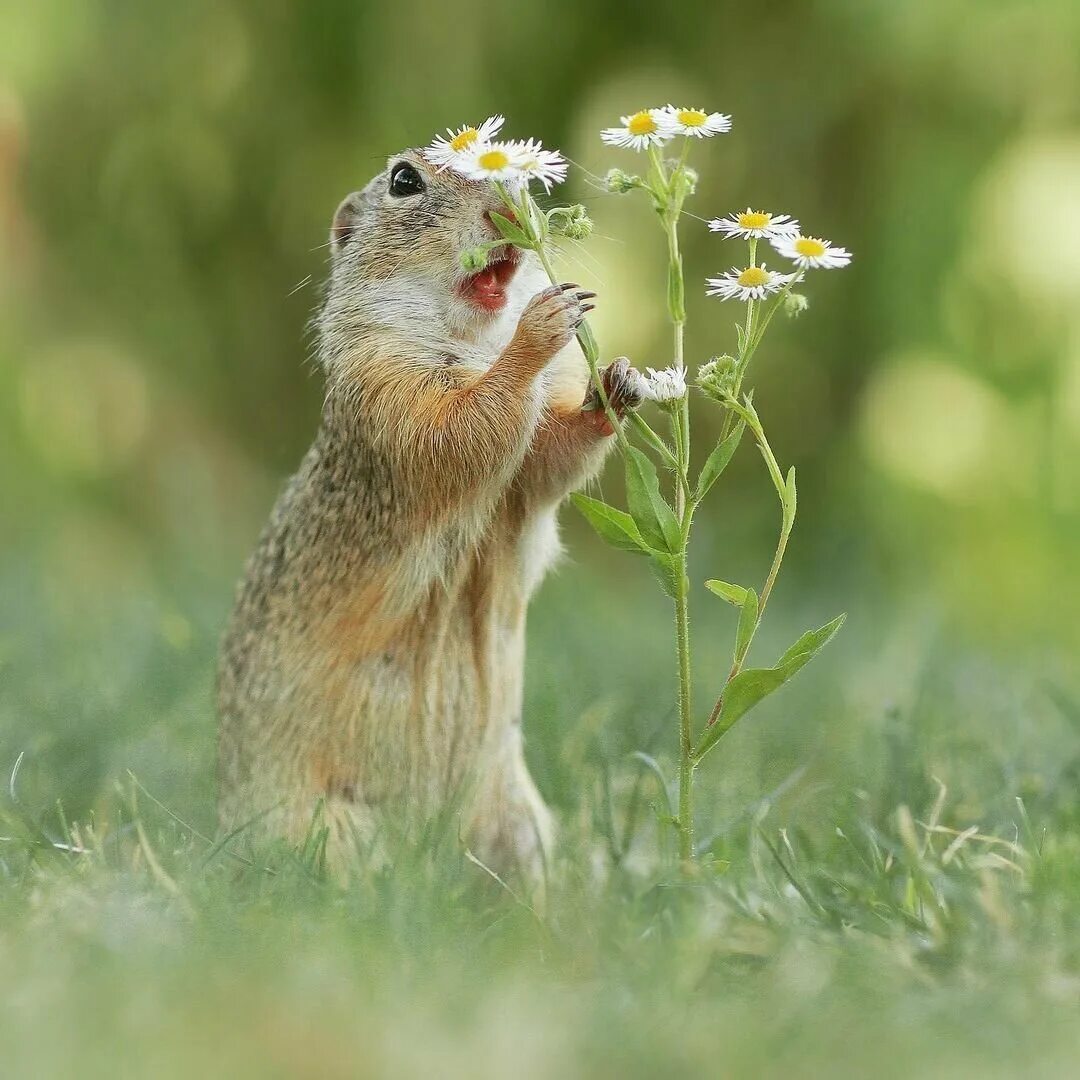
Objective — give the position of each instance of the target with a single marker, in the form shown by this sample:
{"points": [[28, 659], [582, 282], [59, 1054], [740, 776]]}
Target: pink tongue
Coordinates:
{"points": [[486, 283]]}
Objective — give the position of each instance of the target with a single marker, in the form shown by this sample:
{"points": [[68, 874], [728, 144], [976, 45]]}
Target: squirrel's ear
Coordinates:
{"points": [[346, 218]]}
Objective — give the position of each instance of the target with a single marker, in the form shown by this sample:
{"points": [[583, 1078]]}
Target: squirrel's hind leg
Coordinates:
{"points": [[513, 832], [328, 832]]}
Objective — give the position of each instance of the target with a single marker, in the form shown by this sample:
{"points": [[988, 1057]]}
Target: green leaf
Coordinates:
{"points": [[733, 594], [810, 644], [511, 231], [647, 433], [718, 461], [790, 500], [741, 333], [614, 526], [654, 517], [747, 625], [752, 685], [665, 569]]}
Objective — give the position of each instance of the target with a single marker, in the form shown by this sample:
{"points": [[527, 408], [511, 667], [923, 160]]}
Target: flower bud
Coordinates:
{"points": [[686, 179], [716, 378], [474, 260], [621, 182], [795, 304], [570, 221]]}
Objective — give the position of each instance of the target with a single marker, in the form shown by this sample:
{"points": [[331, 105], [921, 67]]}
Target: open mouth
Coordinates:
{"points": [[487, 288]]}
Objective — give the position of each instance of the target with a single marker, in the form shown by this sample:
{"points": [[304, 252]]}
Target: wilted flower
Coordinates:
{"points": [[810, 253], [755, 224], [716, 377], [445, 151], [668, 384], [795, 304], [753, 283], [697, 122], [650, 127]]}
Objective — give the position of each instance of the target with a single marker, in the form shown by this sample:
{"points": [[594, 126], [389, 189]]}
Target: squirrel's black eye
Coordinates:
{"points": [[405, 180]]}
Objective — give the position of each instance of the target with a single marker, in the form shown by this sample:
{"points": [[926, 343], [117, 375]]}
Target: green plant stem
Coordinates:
{"points": [[787, 522], [778, 558], [752, 339], [684, 506], [585, 338], [686, 749], [652, 439], [531, 222]]}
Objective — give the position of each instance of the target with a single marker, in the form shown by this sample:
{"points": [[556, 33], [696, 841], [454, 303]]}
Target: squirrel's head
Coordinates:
{"points": [[396, 251]]}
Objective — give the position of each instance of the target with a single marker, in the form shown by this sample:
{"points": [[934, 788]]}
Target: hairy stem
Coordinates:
{"points": [[527, 215], [686, 749], [680, 424], [787, 522]]}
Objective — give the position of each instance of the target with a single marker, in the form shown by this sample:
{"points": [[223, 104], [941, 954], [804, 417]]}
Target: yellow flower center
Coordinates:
{"points": [[493, 160], [463, 139], [754, 219], [691, 117], [807, 245], [641, 124], [755, 275]]}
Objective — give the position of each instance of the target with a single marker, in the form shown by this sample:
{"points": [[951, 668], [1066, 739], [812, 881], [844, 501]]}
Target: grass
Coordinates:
{"points": [[892, 886]]}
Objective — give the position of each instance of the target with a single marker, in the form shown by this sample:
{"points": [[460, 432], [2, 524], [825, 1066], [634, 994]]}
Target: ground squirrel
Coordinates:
{"points": [[373, 663]]}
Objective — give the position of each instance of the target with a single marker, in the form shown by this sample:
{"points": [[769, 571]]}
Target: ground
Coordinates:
{"points": [[893, 888]]}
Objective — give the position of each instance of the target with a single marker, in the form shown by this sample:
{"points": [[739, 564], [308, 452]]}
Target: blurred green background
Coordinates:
{"points": [[167, 176]]}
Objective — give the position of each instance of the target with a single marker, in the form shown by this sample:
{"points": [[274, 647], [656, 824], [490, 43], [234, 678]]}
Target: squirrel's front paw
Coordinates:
{"points": [[622, 384], [550, 320]]}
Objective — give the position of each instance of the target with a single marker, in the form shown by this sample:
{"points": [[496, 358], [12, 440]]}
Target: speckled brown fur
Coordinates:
{"points": [[373, 662]]}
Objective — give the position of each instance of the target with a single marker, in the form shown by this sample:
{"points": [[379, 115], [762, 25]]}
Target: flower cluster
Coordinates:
{"points": [[474, 152], [785, 235], [654, 127]]}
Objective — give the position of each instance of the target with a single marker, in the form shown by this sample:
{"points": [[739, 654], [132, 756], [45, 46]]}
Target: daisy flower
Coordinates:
{"points": [[753, 283], [754, 224], [698, 123], [445, 151], [491, 161], [810, 253], [536, 163], [650, 127], [662, 386]]}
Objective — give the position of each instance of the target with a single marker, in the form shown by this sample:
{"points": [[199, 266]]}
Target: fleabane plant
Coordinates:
{"points": [[663, 492]]}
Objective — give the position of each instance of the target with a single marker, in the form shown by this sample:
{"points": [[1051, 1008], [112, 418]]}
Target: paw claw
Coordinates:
{"points": [[551, 318], [621, 384]]}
